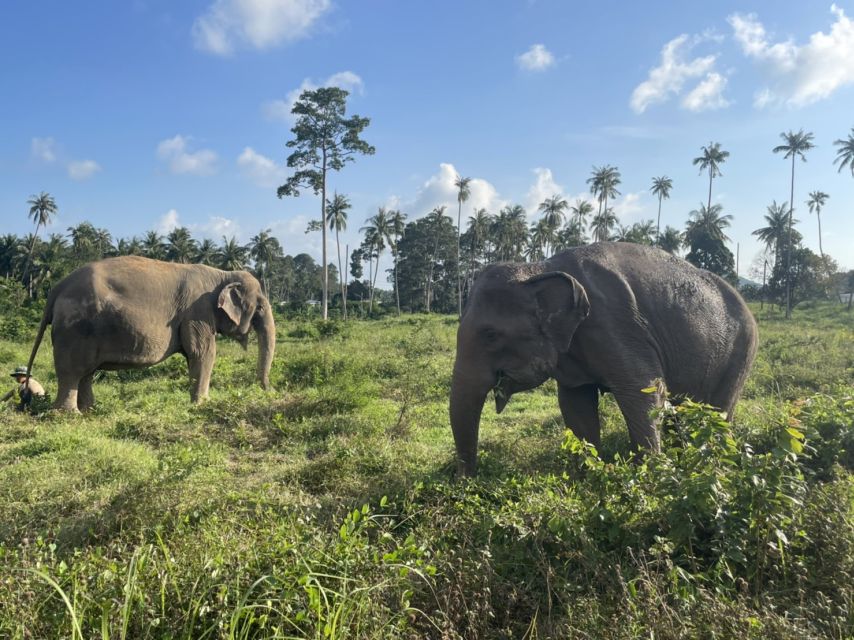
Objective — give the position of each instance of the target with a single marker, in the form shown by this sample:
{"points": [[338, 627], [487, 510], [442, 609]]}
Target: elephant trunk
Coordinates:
{"points": [[468, 393], [266, 329]]}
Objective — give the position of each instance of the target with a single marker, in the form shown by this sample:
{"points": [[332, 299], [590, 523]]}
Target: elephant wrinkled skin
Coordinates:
{"points": [[614, 317], [132, 312]]}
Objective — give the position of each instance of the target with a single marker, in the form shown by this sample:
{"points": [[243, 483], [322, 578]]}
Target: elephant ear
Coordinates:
{"points": [[231, 301], [562, 305]]}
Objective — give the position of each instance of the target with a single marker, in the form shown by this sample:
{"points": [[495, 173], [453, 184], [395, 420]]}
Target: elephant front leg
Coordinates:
{"points": [[200, 377], [85, 396], [637, 408], [580, 409], [200, 348]]}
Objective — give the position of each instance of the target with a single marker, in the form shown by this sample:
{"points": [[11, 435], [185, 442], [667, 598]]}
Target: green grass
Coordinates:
{"points": [[328, 509]]}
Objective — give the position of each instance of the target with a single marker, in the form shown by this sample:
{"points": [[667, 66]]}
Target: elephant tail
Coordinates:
{"points": [[47, 318]]}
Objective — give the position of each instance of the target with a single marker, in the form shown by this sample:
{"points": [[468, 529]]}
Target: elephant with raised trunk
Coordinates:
{"points": [[132, 312], [607, 317]]}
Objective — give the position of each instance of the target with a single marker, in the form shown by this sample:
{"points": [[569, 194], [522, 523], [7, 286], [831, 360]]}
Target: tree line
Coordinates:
{"points": [[434, 260]]}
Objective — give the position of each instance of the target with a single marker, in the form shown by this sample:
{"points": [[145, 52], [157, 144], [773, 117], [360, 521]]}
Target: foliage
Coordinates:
{"points": [[706, 241], [327, 508]]}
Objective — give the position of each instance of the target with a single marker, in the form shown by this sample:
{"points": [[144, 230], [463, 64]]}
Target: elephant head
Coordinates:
{"points": [[242, 305], [515, 326]]}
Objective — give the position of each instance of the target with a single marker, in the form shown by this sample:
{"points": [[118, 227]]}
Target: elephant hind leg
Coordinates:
{"points": [[85, 396], [67, 393], [726, 395], [580, 409]]}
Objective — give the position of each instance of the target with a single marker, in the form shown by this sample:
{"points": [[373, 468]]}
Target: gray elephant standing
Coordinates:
{"points": [[604, 317], [132, 312]]}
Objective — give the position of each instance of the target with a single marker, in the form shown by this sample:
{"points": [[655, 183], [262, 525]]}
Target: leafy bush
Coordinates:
{"points": [[243, 517]]}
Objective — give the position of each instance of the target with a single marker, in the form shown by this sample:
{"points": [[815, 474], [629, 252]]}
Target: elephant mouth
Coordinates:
{"points": [[502, 390], [506, 385]]}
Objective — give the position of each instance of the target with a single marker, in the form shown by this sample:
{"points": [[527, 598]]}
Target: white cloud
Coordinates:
{"points": [[537, 58], [670, 76], [628, 207], [294, 239], [281, 109], [751, 35], [175, 152], [707, 95], [214, 228], [544, 187], [167, 222], [260, 169], [439, 190], [83, 169], [799, 75], [260, 24], [43, 149]]}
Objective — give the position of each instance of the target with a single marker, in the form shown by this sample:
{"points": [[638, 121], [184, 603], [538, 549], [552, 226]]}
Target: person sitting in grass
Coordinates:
{"points": [[26, 393]]}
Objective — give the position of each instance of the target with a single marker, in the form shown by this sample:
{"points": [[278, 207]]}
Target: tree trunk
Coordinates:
{"points": [[325, 296], [341, 274], [658, 222], [374, 284], [711, 175], [30, 261], [396, 285], [347, 256], [789, 242], [370, 280], [606, 213], [459, 274]]}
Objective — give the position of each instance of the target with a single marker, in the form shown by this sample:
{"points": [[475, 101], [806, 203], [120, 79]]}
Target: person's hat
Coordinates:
{"points": [[19, 371]]}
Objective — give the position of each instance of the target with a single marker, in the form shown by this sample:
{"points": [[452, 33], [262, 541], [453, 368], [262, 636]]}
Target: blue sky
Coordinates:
{"points": [[147, 114]]}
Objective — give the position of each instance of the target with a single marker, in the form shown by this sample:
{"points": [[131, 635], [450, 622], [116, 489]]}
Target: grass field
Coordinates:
{"points": [[328, 509]]}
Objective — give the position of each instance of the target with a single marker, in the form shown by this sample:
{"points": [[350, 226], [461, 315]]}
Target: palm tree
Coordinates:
{"points": [[180, 245], [580, 210], [153, 247], [538, 239], [398, 220], [377, 231], [712, 159], [602, 225], [661, 187], [206, 253], [670, 240], [794, 145], [479, 225], [42, 210], [773, 235], [50, 260], [710, 221], [336, 218], [232, 256], [131, 247], [572, 235], [437, 219], [815, 203], [463, 193], [603, 185], [553, 210], [845, 153], [264, 249], [510, 232]]}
